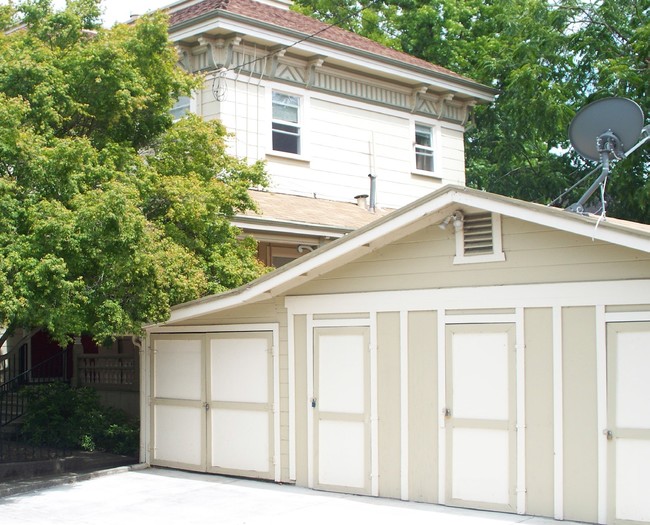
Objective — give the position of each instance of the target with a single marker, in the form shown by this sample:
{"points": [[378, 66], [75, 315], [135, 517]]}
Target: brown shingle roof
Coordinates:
{"points": [[302, 24]]}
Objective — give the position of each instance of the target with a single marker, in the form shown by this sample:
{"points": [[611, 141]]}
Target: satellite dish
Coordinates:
{"points": [[617, 121], [602, 131]]}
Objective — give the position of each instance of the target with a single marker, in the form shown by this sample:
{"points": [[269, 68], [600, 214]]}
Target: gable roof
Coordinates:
{"points": [[303, 27], [428, 210]]}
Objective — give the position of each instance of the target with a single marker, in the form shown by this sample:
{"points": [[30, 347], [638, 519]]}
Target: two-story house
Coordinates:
{"points": [[334, 115]]}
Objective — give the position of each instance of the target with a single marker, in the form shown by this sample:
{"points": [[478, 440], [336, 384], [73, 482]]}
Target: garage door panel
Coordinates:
{"points": [[480, 376], [633, 479], [178, 369], [341, 389], [178, 434], [478, 459], [240, 369], [240, 440], [341, 454], [633, 388], [628, 388]]}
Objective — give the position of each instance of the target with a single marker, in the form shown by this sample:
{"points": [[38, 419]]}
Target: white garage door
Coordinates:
{"points": [[480, 426], [212, 406], [628, 356], [341, 409]]}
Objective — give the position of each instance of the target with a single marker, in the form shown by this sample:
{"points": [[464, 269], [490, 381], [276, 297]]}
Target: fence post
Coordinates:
{"points": [[77, 351]]}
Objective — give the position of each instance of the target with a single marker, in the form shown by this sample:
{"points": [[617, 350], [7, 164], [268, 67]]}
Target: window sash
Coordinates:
{"points": [[285, 125], [423, 148]]}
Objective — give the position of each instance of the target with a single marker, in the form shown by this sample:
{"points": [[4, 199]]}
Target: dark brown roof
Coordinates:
{"points": [[302, 24]]}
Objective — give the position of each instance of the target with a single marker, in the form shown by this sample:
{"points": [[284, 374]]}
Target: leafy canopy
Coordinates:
{"points": [[109, 212], [547, 59]]}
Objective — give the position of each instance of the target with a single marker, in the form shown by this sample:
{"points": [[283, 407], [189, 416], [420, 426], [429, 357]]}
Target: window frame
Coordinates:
{"points": [[300, 124], [424, 151]]}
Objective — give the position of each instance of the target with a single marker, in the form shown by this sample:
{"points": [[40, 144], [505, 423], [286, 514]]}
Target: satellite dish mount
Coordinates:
{"points": [[600, 131]]}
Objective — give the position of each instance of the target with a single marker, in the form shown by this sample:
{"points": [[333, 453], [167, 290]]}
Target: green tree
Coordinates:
{"points": [[109, 212], [547, 59]]}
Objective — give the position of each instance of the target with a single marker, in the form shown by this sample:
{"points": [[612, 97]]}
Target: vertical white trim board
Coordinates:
{"points": [[374, 408], [310, 395], [291, 351], [277, 453], [520, 346]]}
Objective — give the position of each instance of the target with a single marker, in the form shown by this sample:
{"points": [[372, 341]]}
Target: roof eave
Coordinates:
{"points": [[480, 91], [358, 242]]}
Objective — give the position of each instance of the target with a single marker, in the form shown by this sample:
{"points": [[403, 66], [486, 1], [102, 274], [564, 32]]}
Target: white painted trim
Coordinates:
{"points": [[353, 58], [374, 408], [442, 400], [478, 259], [558, 414], [404, 405], [310, 395], [418, 214], [520, 343], [319, 323], [291, 357], [626, 317], [565, 221], [585, 293], [277, 453], [481, 318], [213, 328], [601, 407]]}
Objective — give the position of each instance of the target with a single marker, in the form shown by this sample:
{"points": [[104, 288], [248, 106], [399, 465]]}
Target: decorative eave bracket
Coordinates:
{"points": [[312, 65], [221, 49]]}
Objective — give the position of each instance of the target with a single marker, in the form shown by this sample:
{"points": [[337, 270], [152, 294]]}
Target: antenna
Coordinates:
{"points": [[601, 131]]}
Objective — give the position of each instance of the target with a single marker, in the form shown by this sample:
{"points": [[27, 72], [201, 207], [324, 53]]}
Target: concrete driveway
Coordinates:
{"points": [[163, 496]]}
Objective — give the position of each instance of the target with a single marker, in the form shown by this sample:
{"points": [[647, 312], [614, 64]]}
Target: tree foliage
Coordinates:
{"points": [[109, 212], [547, 59]]}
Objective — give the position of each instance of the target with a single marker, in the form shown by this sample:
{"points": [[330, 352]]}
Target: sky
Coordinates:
{"points": [[121, 10]]}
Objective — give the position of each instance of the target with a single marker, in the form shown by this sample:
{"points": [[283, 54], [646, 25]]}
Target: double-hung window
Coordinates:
{"points": [[286, 123], [423, 148]]}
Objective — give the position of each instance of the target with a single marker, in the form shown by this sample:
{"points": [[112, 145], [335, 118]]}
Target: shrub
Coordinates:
{"points": [[61, 416]]}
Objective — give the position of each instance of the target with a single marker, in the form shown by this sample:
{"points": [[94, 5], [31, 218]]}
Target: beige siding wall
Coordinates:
{"points": [[580, 414], [300, 342], [452, 156], [423, 406], [388, 377], [538, 331], [533, 255]]}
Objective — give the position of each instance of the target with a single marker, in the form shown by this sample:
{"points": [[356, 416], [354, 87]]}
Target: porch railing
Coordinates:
{"points": [[108, 371]]}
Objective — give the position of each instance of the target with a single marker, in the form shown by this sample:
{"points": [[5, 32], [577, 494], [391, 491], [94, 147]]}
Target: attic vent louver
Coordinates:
{"points": [[477, 234]]}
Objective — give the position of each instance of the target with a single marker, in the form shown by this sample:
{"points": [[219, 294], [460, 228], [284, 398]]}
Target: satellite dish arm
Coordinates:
{"points": [[645, 131], [580, 205]]}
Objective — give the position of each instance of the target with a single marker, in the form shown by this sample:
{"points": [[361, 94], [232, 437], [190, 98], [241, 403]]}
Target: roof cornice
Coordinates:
{"points": [[488, 93]]}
